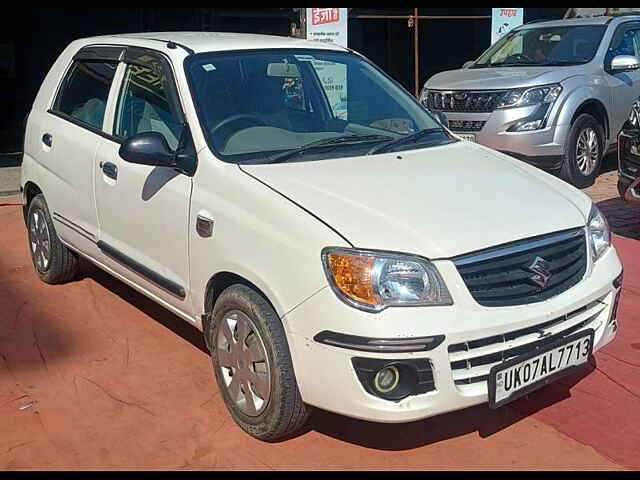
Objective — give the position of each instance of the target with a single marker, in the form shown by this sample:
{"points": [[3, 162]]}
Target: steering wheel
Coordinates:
{"points": [[519, 57], [236, 118]]}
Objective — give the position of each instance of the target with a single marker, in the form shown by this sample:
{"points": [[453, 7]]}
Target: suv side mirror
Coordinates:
{"points": [[624, 63], [468, 64], [148, 148]]}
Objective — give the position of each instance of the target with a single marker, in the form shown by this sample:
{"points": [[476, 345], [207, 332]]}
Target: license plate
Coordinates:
{"points": [[467, 136], [517, 377]]}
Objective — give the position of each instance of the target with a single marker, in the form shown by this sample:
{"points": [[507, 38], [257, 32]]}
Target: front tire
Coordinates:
{"points": [[252, 365], [54, 263], [584, 152]]}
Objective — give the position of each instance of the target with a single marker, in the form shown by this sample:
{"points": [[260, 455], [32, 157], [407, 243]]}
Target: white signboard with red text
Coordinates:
{"points": [[329, 25], [503, 20]]}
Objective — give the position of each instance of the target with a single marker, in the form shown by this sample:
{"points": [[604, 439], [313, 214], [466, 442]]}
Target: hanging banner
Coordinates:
{"points": [[328, 25], [503, 20]]}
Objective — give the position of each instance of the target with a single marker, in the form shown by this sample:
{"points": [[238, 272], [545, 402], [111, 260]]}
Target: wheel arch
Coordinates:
{"points": [[218, 284], [29, 192], [596, 109]]}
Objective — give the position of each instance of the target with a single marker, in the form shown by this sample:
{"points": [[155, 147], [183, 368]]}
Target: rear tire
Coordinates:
{"points": [[54, 263], [584, 152], [247, 341]]}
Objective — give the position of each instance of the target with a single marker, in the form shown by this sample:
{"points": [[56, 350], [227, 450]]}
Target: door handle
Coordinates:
{"points": [[110, 170], [47, 139]]}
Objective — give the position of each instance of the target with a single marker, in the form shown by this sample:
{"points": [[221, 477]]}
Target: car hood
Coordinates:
{"points": [[499, 78], [438, 202]]}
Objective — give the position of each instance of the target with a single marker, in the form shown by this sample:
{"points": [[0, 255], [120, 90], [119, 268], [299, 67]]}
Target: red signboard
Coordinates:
{"points": [[321, 16]]}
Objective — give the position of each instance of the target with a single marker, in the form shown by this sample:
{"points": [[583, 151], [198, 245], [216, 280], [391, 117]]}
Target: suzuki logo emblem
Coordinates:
{"points": [[541, 269]]}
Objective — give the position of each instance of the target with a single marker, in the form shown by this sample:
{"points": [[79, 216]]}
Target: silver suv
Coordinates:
{"points": [[554, 94]]}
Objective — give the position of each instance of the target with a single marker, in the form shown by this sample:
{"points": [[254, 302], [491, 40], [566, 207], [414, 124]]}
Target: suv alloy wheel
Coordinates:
{"points": [[583, 156]]}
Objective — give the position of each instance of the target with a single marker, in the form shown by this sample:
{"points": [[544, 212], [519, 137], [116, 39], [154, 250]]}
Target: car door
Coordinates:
{"points": [[624, 86], [143, 211], [69, 139]]}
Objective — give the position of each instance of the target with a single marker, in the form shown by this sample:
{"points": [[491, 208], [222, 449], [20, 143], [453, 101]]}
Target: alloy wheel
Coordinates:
{"points": [[587, 151]]}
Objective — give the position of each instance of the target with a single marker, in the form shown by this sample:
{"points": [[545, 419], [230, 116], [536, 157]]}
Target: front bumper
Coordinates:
{"points": [[326, 375], [544, 148]]}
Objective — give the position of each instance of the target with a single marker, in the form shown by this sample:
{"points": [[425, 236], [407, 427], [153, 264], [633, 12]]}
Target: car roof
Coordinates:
{"points": [[600, 20], [200, 42]]}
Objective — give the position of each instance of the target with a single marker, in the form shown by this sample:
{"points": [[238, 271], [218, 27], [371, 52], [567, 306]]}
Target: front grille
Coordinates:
{"points": [[466, 125], [472, 361], [464, 100], [506, 275], [629, 162], [630, 165]]}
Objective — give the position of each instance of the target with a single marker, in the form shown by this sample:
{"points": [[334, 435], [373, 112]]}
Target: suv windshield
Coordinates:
{"points": [[294, 105], [567, 45]]}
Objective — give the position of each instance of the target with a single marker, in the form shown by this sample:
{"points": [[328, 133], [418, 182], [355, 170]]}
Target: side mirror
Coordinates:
{"points": [[624, 63], [468, 64], [148, 148]]}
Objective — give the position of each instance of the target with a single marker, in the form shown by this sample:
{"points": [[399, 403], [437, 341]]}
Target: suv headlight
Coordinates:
{"points": [[599, 233], [373, 281], [544, 97], [525, 97], [424, 93]]}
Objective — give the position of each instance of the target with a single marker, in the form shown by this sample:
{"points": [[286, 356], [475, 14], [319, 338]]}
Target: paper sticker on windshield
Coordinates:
{"points": [[209, 67], [304, 58]]}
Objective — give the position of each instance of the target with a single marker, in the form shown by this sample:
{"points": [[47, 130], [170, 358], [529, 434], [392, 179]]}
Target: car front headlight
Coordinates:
{"points": [[525, 97], [599, 233], [372, 281]]}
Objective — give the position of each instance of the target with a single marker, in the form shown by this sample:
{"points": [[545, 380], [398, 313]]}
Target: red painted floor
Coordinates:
{"points": [[95, 376]]}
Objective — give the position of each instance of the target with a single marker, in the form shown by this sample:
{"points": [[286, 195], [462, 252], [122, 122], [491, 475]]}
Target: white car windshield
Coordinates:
{"points": [[541, 46], [272, 106]]}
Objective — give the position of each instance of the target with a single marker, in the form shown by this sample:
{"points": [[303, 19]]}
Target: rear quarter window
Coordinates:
{"points": [[85, 90]]}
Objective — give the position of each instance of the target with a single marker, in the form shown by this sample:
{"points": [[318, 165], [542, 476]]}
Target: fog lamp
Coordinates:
{"points": [[386, 379]]}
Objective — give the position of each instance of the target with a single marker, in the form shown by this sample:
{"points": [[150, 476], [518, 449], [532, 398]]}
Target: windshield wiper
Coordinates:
{"points": [[328, 142], [413, 138]]}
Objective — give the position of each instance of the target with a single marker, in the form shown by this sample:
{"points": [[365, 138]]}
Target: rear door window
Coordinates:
{"points": [[85, 90]]}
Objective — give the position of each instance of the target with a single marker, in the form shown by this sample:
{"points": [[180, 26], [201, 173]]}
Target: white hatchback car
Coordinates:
{"points": [[337, 246]]}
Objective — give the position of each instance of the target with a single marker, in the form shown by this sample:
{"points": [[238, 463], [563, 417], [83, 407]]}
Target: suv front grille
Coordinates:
{"points": [[506, 275], [464, 100], [472, 361]]}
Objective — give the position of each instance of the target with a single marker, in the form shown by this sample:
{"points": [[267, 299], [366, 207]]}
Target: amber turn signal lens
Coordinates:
{"points": [[352, 275]]}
